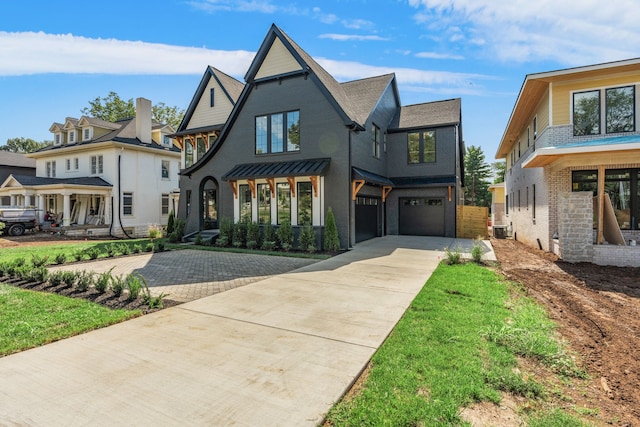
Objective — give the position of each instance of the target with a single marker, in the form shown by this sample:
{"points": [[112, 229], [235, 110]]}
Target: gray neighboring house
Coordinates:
{"points": [[14, 164], [297, 143]]}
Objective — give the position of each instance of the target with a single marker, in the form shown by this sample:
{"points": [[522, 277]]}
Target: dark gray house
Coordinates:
{"points": [[297, 143], [14, 164]]}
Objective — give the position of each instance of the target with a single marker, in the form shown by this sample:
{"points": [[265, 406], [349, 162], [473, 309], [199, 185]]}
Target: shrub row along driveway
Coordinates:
{"points": [[186, 275]]}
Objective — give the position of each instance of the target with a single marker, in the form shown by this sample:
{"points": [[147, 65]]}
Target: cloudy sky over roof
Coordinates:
{"points": [[57, 56]]}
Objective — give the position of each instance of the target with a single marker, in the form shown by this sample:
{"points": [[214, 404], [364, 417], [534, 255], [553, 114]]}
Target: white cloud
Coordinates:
{"points": [[212, 6], [567, 31], [358, 24], [39, 53], [435, 55], [350, 37]]}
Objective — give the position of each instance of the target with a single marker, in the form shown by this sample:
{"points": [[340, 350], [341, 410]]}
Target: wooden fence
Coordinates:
{"points": [[471, 222]]}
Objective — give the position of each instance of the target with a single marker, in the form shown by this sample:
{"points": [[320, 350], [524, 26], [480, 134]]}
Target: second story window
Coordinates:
{"points": [[201, 148], [86, 134], [586, 113], [57, 139], [71, 136], [166, 140], [165, 169], [76, 163], [51, 169], [277, 133], [375, 141], [620, 109], [188, 153], [421, 147], [97, 165]]}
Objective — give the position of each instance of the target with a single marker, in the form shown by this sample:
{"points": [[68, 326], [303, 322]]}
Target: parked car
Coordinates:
{"points": [[18, 219]]}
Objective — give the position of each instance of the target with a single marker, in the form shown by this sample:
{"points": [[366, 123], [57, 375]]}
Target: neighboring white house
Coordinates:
{"points": [[113, 177]]}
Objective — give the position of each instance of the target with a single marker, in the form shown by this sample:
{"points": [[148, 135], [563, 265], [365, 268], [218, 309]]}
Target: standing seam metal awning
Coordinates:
{"points": [[277, 169]]}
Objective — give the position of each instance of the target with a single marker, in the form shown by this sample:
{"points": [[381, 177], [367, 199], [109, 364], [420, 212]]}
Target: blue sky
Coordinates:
{"points": [[56, 56]]}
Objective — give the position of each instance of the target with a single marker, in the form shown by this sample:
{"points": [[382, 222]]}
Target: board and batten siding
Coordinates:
{"points": [[278, 61], [204, 114]]}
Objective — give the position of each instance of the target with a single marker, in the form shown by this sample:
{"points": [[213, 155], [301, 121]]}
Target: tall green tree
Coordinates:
{"points": [[23, 145], [477, 173], [499, 171], [113, 108]]}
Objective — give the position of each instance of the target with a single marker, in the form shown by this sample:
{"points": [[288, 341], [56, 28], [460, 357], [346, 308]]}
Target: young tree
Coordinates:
{"points": [[476, 178], [499, 170], [113, 108], [23, 145]]}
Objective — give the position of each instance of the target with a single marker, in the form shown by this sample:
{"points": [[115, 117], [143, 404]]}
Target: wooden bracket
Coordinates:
{"points": [[292, 185], [272, 186], [234, 188], [205, 138], [314, 184], [252, 187], [180, 141], [385, 192], [450, 192], [356, 186]]}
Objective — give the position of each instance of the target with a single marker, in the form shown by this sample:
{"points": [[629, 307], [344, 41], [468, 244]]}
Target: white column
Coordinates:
{"points": [[107, 209], [40, 206], [27, 199], [13, 200], [66, 211]]}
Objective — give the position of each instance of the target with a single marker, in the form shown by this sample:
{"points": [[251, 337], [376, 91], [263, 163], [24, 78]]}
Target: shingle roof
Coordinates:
{"points": [[427, 114], [277, 169], [232, 86], [38, 180], [365, 94], [8, 158]]}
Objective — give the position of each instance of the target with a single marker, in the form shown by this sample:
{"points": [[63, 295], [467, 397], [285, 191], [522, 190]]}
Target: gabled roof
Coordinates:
{"points": [[86, 120], [366, 93], [438, 113], [353, 101], [231, 88], [8, 158]]}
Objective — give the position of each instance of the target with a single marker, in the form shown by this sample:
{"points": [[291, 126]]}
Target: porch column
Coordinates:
{"points": [[27, 200], [40, 206], [66, 211], [107, 209], [13, 200]]}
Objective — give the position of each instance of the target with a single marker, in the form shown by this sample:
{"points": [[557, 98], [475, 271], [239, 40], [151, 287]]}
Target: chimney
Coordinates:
{"points": [[143, 120]]}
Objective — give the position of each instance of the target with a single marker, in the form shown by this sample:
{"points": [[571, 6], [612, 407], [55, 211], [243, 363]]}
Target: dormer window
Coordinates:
{"points": [[57, 139], [71, 136], [166, 140], [87, 134]]}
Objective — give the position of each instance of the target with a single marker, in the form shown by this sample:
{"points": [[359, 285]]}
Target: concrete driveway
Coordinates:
{"points": [[276, 352]]}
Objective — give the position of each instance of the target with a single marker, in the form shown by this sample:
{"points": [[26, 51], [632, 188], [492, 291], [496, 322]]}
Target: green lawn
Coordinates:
{"points": [[455, 345], [30, 319]]}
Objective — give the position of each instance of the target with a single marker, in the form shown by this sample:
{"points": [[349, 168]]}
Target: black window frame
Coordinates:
{"points": [[287, 146], [606, 108], [598, 131], [421, 147], [375, 140]]}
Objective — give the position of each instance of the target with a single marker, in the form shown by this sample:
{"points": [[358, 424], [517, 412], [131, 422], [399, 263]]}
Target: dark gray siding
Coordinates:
{"points": [[5, 171], [322, 134], [445, 165]]}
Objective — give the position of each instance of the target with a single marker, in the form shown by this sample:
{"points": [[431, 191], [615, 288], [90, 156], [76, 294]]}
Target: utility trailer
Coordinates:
{"points": [[18, 219]]}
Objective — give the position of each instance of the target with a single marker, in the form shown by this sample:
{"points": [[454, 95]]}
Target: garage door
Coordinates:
{"points": [[422, 216], [367, 218]]}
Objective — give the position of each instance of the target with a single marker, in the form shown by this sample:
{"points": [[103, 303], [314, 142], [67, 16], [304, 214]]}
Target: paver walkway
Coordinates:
{"points": [[186, 275], [278, 352]]}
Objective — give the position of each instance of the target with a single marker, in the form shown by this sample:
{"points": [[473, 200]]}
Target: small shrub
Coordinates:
{"points": [[69, 278], [268, 238], [124, 248], [149, 247], [134, 286], [253, 234], [151, 301], [2, 227], [307, 239], [159, 247], [38, 274], [239, 238], [452, 256], [79, 254], [84, 280], [477, 252], [117, 285], [102, 281], [137, 248], [154, 232], [3, 268], [55, 278], [92, 253], [60, 259], [19, 262], [170, 222], [22, 272], [222, 241], [331, 238], [226, 228], [285, 236], [39, 261], [178, 229], [198, 240], [112, 250]]}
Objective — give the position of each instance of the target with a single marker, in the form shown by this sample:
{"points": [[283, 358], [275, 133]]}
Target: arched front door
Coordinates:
{"points": [[209, 204]]}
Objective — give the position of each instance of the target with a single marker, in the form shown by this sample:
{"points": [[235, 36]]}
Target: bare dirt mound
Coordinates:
{"points": [[598, 312]]}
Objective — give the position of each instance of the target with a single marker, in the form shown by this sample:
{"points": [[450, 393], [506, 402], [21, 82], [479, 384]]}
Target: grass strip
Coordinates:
{"points": [[438, 358], [30, 319]]}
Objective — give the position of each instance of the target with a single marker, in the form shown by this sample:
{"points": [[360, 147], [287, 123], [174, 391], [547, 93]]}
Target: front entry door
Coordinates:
{"points": [[209, 208]]}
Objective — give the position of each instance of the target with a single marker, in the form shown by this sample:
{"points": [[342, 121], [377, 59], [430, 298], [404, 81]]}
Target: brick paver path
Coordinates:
{"points": [[186, 275]]}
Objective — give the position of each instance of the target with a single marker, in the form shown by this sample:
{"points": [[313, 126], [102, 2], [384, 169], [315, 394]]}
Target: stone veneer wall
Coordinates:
{"points": [[575, 226]]}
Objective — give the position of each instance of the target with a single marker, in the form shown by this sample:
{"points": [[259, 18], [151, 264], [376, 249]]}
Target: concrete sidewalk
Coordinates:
{"points": [[277, 352]]}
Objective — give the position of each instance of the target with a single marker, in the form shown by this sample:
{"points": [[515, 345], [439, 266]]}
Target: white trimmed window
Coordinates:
{"points": [[76, 163], [165, 204], [57, 139], [97, 165], [127, 204], [165, 169], [166, 140], [68, 164], [51, 169], [87, 134], [71, 136]]}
